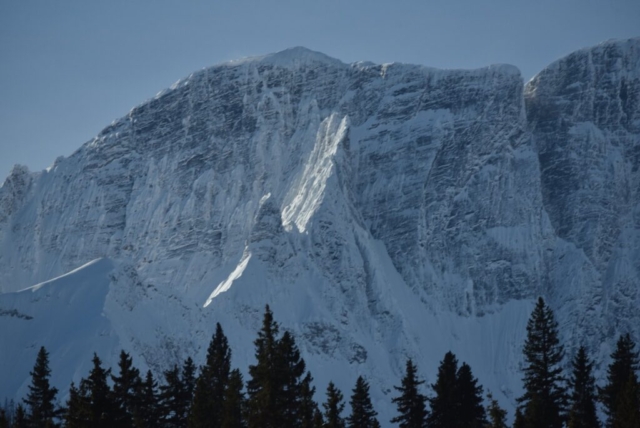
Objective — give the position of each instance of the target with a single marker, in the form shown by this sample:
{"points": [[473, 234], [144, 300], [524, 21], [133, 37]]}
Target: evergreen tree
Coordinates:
{"points": [[497, 415], [40, 400], [318, 420], [628, 408], [96, 395], [544, 399], [276, 381], [410, 403], [263, 387], [4, 420], [172, 404], [9, 409], [362, 413], [188, 381], [445, 405], [176, 394], [621, 376], [147, 413], [208, 399], [333, 408], [234, 402], [20, 419], [471, 412], [582, 410], [307, 408], [126, 386], [289, 369], [519, 420], [76, 413]]}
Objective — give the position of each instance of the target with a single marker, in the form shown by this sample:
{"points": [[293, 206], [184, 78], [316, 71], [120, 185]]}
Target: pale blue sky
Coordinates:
{"points": [[69, 67]]}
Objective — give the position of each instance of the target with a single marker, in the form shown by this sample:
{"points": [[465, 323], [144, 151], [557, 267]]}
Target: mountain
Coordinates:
{"points": [[382, 211]]}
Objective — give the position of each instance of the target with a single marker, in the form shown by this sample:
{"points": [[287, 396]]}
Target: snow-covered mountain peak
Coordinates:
{"points": [[300, 55], [13, 189], [382, 211], [291, 57], [614, 54], [18, 172]]}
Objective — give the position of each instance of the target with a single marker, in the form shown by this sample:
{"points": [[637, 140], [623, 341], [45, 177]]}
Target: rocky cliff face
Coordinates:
{"points": [[383, 211], [584, 114]]}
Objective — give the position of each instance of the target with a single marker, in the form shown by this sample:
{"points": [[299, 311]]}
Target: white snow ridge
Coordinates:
{"points": [[226, 284], [382, 211]]}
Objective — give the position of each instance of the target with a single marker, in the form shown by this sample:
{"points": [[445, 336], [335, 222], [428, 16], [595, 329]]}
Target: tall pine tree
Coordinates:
{"points": [[544, 400], [147, 413], [263, 387], [126, 386], [412, 410], [307, 408], [76, 413], [10, 409], [290, 368], [628, 408], [621, 390], [4, 421], [519, 420], [582, 395], [497, 415], [318, 419], [209, 394], [362, 413], [188, 381], [176, 394], [173, 409], [234, 402], [276, 380], [97, 396], [20, 419], [333, 408], [41, 406], [471, 412], [445, 405]]}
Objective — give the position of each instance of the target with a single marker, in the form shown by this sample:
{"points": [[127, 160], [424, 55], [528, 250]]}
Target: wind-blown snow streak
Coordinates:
{"points": [[308, 194], [226, 284]]}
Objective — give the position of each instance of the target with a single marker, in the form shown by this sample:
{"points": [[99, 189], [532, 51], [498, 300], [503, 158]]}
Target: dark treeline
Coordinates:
{"points": [[279, 392]]}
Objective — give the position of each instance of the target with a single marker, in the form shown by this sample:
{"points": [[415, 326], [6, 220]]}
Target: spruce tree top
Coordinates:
{"points": [[544, 401], [543, 353], [622, 370], [40, 400], [582, 412], [497, 415], [362, 413], [411, 407], [444, 404], [333, 408], [469, 396], [208, 396]]}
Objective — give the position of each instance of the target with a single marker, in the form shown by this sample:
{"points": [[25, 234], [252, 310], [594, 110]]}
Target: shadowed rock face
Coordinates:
{"points": [[584, 113], [359, 199]]}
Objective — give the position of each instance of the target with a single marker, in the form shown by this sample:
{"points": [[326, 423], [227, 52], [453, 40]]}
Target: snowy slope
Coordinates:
{"points": [[383, 211], [64, 315]]}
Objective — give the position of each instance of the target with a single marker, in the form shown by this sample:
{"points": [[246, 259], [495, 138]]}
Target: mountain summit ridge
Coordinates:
{"points": [[381, 210]]}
